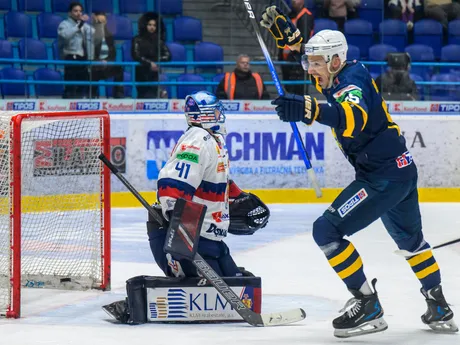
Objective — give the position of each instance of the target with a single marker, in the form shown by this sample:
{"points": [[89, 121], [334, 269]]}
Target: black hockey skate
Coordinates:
{"points": [[439, 317], [118, 310], [363, 315]]}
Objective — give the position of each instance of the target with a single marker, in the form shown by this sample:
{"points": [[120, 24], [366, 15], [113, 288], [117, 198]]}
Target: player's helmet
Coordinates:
{"points": [[326, 43], [204, 109]]}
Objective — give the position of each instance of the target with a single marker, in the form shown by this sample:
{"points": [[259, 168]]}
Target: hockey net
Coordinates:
{"points": [[54, 203]]}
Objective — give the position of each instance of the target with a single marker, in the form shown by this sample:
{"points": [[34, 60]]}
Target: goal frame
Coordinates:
{"points": [[14, 308]]}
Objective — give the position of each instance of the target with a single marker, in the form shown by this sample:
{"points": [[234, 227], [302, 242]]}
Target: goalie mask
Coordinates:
{"points": [[204, 109]]}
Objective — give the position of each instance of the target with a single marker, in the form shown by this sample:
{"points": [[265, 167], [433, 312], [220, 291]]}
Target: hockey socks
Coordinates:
{"points": [[426, 269], [347, 263]]}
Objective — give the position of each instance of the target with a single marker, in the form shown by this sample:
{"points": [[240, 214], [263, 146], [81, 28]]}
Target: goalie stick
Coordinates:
{"points": [[254, 319], [407, 253], [279, 88]]}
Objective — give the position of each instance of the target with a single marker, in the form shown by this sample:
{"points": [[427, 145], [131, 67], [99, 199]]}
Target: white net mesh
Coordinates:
{"points": [[61, 214]]}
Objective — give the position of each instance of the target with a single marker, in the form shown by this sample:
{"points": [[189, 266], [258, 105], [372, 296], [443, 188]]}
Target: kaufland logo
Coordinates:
{"points": [[117, 106], [177, 105], [20, 106], [85, 105], [250, 106], [43, 105]]}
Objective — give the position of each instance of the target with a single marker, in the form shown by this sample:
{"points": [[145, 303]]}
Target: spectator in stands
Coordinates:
{"points": [[442, 10], [304, 21], [396, 83], [242, 83], [74, 40], [341, 10], [104, 51], [409, 11], [148, 48]]}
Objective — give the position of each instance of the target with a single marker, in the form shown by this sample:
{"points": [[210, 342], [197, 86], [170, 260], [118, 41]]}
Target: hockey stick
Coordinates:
{"points": [[279, 88], [407, 253], [254, 319]]}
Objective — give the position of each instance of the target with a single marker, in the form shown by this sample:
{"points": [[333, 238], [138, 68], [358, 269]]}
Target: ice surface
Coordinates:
{"points": [[294, 274]]}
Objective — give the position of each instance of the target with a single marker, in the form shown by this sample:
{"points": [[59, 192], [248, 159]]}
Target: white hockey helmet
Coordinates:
{"points": [[204, 109], [326, 43]]}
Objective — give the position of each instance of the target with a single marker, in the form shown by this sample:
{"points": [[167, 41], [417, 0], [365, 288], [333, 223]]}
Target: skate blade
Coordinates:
{"points": [[370, 327], [444, 326]]}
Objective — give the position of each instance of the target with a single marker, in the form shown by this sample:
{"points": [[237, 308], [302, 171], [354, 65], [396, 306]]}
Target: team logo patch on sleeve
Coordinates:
{"points": [[351, 203], [345, 90], [404, 160]]}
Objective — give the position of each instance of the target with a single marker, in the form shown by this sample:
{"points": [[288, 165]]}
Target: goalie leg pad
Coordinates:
{"points": [[190, 300]]}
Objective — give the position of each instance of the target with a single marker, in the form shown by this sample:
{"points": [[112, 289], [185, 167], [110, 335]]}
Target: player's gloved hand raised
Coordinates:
{"points": [[294, 108], [281, 27]]}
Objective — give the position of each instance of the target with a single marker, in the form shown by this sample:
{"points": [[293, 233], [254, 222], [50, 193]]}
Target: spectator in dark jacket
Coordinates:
{"points": [[104, 51], [242, 83], [442, 10], [304, 21], [148, 48], [396, 83]]}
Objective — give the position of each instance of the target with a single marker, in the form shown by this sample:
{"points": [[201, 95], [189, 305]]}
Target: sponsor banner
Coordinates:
{"points": [[194, 304], [76, 156], [118, 153], [57, 157], [153, 106], [264, 154]]}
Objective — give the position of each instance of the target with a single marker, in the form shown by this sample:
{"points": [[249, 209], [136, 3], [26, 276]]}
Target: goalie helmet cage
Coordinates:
{"points": [[54, 203]]}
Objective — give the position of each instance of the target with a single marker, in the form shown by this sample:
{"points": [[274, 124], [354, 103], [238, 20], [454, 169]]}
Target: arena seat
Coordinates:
{"points": [[393, 32], [10, 89], [48, 89], [184, 90], [359, 33]]}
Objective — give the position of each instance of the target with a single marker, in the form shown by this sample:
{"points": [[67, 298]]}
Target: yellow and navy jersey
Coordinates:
{"points": [[363, 127]]}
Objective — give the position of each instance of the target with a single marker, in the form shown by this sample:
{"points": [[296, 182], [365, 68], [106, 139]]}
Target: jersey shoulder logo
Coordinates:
{"points": [[350, 93]]}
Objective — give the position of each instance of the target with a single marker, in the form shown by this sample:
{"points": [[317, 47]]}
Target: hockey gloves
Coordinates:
{"points": [[281, 27], [294, 108]]}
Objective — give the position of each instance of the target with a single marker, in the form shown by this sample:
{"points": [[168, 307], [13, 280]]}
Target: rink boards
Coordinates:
{"points": [[265, 158]]}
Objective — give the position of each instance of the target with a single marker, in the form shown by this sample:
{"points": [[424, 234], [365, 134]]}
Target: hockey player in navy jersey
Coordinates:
{"points": [[385, 186]]}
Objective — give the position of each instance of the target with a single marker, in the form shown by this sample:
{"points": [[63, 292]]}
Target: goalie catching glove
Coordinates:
{"points": [[281, 27], [247, 214]]}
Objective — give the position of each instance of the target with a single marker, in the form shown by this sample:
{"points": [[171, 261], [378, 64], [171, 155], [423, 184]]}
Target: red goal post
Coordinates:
{"points": [[54, 203]]}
